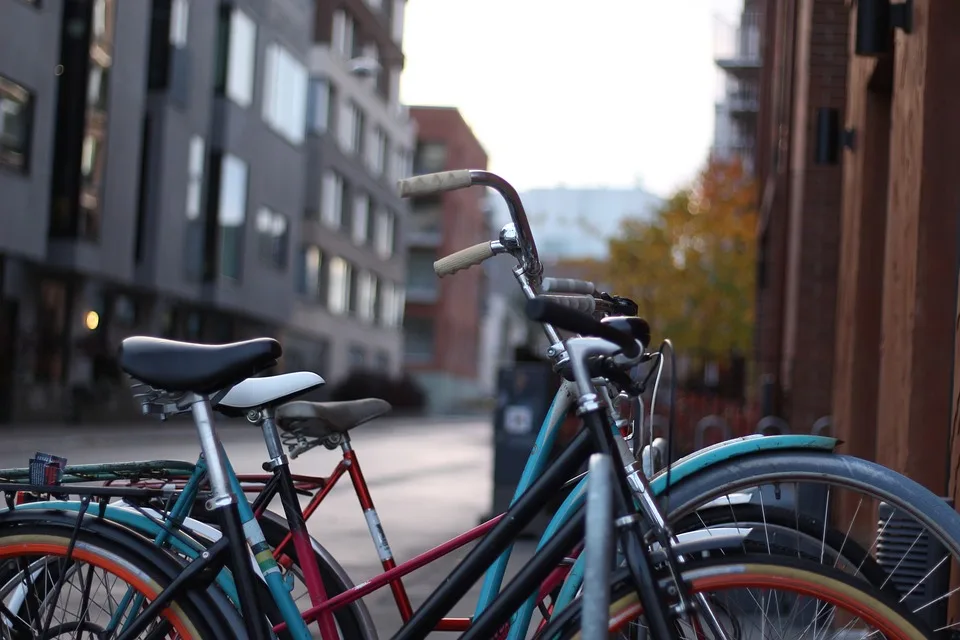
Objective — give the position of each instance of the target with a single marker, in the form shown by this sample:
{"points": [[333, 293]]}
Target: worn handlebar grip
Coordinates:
{"points": [[583, 304], [463, 259], [434, 183], [568, 285]]}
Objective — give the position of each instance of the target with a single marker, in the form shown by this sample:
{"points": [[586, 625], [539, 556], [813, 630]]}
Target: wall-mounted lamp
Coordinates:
{"points": [[876, 20]]}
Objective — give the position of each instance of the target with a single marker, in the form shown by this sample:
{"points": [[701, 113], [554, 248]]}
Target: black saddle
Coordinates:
{"points": [[169, 365]]}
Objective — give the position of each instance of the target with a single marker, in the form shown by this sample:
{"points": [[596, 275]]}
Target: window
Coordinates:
{"points": [[426, 215], [383, 235], [341, 40], [195, 177], [339, 289], [331, 199], [366, 296], [420, 274], [361, 218], [272, 237], [418, 342], [430, 158], [16, 111], [237, 49], [310, 273], [179, 14], [231, 214], [350, 127], [376, 151], [285, 93], [391, 299], [319, 106], [98, 85]]}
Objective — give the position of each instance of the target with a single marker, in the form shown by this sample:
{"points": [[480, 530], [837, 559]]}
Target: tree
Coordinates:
{"points": [[691, 268]]}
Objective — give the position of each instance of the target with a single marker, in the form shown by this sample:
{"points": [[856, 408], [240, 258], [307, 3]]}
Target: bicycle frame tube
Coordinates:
{"points": [[265, 560], [539, 456]]}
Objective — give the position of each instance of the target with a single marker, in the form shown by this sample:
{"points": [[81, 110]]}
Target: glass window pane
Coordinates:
{"points": [[195, 177], [241, 58], [233, 192]]}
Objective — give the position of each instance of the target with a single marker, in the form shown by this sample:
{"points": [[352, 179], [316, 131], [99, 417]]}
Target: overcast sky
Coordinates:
{"points": [[606, 92]]}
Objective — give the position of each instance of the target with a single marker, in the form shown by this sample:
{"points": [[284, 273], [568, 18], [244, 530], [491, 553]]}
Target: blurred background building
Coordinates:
{"points": [[737, 53], [200, 171], [443, 318]]}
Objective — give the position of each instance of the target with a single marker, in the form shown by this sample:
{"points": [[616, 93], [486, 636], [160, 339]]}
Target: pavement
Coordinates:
{"points": [[431, 479]]}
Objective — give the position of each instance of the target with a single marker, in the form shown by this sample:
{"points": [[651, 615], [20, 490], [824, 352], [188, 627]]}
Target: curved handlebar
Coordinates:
{"points": [[463, 259], [460, 179], [568, 285], [561, 317]]}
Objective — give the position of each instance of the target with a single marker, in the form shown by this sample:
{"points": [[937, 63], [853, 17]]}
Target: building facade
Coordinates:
{"points": [[858, 301], [737, 55], [443, 318], [351, 279], [162, 180]]}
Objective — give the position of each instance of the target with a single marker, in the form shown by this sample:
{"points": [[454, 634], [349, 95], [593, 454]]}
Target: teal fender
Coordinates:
{"points": [[144, 526], [685, 467]]}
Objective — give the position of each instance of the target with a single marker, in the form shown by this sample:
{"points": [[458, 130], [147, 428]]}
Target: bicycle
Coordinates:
{"points": [[494, 579]]}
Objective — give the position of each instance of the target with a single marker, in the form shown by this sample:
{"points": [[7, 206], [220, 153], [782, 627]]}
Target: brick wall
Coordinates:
{"points": [[796, 306], [457, 313]]}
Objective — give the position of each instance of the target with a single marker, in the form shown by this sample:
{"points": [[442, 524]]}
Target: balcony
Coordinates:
{"points": [[737, 46], [738, 97]]}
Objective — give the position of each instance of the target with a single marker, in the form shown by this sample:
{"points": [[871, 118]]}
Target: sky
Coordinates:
{"points": [[569, 92]]}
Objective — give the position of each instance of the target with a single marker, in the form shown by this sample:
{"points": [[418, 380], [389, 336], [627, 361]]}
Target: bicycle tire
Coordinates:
{"points": [[786, 522], [123, 553], [697, 489], [802, 576]]}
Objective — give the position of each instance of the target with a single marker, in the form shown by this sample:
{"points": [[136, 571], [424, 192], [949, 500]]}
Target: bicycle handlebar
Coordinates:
{"points": [[431, 183], [460, 179], [463, 259], [568, 319], [568, 285]]}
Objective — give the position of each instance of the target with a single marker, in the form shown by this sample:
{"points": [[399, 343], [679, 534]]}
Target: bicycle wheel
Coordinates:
{"points": [[859, 609], [912, 534], [99, 575]]}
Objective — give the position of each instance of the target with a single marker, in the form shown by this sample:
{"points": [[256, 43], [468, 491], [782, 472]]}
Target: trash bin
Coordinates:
{"points": [[524, 393]]}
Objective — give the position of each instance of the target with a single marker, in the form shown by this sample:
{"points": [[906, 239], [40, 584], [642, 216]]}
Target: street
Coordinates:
{"points": [[430, 481]]}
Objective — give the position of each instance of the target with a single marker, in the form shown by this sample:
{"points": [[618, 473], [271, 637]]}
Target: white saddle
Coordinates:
{"points": [[269, 391]]}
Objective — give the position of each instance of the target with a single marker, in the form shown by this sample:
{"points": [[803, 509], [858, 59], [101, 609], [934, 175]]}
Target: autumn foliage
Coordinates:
{"points": [[691, 268]]}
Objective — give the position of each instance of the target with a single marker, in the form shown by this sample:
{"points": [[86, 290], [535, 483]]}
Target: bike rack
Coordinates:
{"points": [[824, 423], [597, 549], [776, 424], [711, 422]]}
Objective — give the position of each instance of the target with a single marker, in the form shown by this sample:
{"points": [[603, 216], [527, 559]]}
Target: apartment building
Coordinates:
{"points": [[165, 171], [351, 266], [737, 55], [443, 318]]}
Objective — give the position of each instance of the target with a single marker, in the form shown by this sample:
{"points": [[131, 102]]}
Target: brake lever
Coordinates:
{"points": [[621, 306]]}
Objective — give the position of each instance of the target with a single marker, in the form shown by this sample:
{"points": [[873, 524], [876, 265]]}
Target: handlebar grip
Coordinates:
{"points": [[568, 285], [434, 183], [463, 259], [567, 319], [583, 304]]}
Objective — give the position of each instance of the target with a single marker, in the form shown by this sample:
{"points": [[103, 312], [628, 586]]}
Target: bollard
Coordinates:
{"points": [[597, 549], [710, 422]]}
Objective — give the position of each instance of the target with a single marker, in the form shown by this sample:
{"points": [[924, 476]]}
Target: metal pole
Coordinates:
{"points": [[598, 549]]}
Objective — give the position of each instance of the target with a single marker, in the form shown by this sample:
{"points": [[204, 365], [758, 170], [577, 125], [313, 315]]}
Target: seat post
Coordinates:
{"points": [[272, 438], [216, 469]]}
